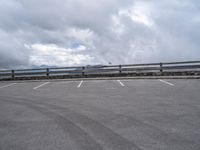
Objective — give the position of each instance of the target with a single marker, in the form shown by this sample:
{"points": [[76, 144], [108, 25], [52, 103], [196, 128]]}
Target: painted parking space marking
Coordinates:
{"points": [[166, 82], [41, 85], [7, 85], [79, 85], [122, 84]]}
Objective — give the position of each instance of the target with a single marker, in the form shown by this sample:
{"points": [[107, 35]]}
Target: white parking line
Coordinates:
{"points": [[7, 85], [79, 85], [166, 82], [41, 85], [120, 83]]}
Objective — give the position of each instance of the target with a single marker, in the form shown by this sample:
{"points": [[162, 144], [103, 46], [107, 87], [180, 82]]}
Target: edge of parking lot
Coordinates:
{"points": [[109, 78]]}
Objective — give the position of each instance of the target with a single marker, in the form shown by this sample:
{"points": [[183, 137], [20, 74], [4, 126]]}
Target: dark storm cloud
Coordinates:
{"points": [[109, 30]]}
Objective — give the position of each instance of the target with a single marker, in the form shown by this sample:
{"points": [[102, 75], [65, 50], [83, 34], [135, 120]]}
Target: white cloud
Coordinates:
{"points": [[118, 27], [80, 34], [53, 55], [139, 12], [75, 32]]}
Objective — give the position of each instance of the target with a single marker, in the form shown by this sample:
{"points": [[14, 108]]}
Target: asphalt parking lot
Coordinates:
{"points": [[100, 115]]}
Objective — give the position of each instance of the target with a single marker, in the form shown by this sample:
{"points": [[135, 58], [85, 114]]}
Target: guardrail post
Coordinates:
{"points": [[47, 72], [161, 69], [83, 71], [13, 74], [120, 69]]}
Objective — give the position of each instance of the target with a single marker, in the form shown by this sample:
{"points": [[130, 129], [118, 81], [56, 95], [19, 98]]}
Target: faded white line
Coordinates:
{"points": [[166, 82], [120, 83], [79, 85], [7, 85], [41, 85]]}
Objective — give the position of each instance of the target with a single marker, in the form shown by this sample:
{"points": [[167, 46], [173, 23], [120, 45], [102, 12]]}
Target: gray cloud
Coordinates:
{"points": [[106, 31]]}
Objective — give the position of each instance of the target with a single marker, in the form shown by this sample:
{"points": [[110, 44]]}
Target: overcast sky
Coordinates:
{"points": [[82, 32]]}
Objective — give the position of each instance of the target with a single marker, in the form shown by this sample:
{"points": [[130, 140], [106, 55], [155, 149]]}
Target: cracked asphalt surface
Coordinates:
{"points": [[100, 115]]}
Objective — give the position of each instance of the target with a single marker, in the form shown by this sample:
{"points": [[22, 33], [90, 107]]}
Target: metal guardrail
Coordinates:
{"points": [[156, 68]]}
